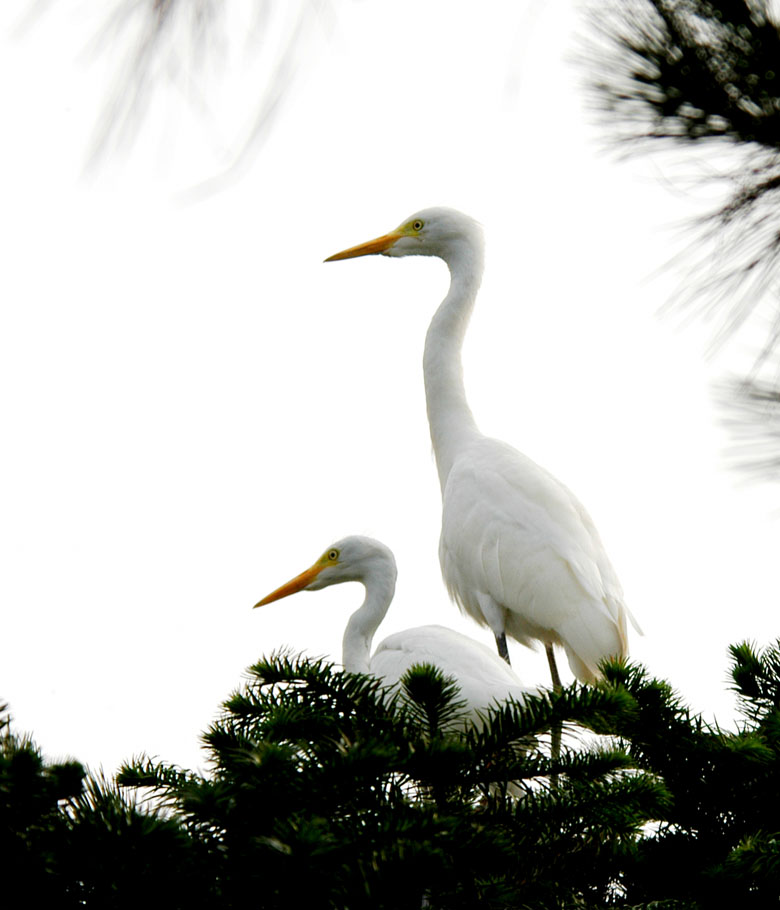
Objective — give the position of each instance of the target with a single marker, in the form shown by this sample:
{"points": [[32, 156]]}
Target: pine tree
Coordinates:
{"points": [[717, 844], [70, 839], [327, 790], [32, 827], [692, 74]]}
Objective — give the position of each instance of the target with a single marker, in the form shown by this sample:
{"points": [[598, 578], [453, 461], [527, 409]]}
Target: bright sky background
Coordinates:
{"points": [[194, 406]]}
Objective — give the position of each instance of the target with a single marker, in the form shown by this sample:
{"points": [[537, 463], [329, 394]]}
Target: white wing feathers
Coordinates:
{"points": [[484, 678], [511, 531]]}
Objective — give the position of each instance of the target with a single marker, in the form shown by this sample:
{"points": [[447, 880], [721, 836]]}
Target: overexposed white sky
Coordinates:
{"points": [[194, 406]]}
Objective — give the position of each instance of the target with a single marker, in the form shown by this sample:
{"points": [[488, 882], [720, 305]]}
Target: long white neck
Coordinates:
{"points": [[379, 582], [451, 421]]}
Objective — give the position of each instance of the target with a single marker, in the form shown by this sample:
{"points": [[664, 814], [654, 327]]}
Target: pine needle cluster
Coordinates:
{"points": [[328, 789], [704, 76]]}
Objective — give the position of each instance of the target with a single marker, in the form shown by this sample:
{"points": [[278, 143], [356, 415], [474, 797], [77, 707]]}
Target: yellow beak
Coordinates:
{"points": [[367, 249], [293, 586]]}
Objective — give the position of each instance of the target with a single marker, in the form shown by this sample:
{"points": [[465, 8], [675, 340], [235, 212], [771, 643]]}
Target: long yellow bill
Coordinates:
{"points": [[292, 587], [367, 249]]}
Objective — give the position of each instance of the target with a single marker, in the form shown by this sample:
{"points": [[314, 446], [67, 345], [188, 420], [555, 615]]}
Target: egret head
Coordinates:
{"points": [[350, 559], [441, 232]]}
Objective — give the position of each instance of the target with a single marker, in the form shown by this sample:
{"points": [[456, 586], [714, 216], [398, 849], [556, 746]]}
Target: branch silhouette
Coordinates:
{"points": [[690, 74]]}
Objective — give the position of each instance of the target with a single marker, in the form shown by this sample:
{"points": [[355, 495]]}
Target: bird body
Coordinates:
{"points": [[479, 672], [484, 679], [518, 552], [536, 547]]}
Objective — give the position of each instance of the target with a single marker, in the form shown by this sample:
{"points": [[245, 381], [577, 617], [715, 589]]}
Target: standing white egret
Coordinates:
{"points": [[518, 551], [483, 677]]}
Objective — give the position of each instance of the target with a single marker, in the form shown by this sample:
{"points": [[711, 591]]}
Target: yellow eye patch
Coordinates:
{"points": [[412, 227]]}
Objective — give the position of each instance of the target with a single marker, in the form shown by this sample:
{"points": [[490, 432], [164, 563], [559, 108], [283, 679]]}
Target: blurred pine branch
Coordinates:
{"points": [[689, 74]]}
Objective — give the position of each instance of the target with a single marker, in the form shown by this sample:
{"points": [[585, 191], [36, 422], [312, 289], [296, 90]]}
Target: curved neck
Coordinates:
{"points": [[379, 582], [451, 421]]}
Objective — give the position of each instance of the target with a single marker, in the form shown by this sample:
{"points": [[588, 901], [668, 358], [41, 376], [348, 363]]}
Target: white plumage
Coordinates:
{"points": [[483, 677], [518, 551], [537, 547]]}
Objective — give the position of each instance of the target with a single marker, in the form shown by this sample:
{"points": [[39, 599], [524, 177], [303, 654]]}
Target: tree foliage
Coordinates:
{"points": [[326, 789], [69, 839], [706, 75], [717, 844], [32, 826], [329, 790], [692, 70]]}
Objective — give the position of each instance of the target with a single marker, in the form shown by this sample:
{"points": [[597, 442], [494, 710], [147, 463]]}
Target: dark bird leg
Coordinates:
{"points": [[503, 651], [555, 742], [556, 679]]}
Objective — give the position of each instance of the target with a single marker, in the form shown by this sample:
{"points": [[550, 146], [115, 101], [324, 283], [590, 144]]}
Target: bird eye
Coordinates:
{"points": [[333, 555], [417, 225]]}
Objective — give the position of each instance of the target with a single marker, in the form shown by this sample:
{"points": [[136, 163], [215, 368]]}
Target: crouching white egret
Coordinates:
{"points": [[484, 678], [518, 552]]}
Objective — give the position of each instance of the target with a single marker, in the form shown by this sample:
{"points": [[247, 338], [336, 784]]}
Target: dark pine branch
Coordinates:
{"points": [[696, 74], [691, 72]]}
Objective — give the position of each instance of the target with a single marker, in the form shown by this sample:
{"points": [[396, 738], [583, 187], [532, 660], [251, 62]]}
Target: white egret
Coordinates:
{"points": [[518, 552], [483, 677]]}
